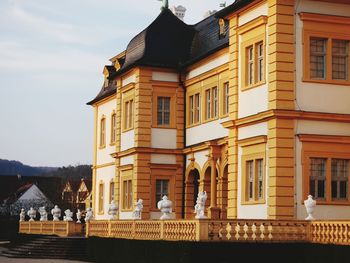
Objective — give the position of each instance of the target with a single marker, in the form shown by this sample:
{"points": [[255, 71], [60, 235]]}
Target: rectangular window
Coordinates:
{"points": [[225, 98], [162, 188], [250, 65], [127, 194], [211, 99], [215, 102], [111, 192], [103, 132], [340, 172], [128, 114], [194, 109], [260, 66], [318, 53], [255, 180], [113, 127], [163, 111], [250, 177], [340, 59], [208, 104], [101, 198], [260, 175], [318, 177]]}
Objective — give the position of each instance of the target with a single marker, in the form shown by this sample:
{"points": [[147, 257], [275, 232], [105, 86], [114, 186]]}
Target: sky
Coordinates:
{"points": [[52, 54]]}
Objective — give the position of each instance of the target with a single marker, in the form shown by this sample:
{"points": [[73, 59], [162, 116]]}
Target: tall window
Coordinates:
{"points": [[194, 110], [163, 111], [254, 67], [340, 172], [101, 198], [255, 180], [340, 53], [162, 188], [103, 132], [318, 177], [127, 194], [111, 192], [128, 114], [113, 127], [225, 98], [318, 52], [211, 99]]}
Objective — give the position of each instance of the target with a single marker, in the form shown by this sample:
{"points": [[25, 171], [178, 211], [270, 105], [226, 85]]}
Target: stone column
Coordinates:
{"points": [[214, 211]]}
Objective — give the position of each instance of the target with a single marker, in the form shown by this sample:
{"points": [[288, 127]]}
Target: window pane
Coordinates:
{"points": [[250, 65], [260, 174], [197, 113], [208, 101], [318, 176], [340, 175], [334, 189], [215, 106], [343, 190], [191, 110], [260, 62], [318, 57], [162, 189], [226, 98], [250, 178], [321, 189], [340, 59]]}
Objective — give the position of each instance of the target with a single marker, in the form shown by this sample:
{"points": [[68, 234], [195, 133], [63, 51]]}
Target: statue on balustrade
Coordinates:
{"points": [[56, 213], [68, 215], [310, 205], [32, 214], [113, 210], [43, 213], [22, 215], [78, 216], [166, 207], [136, 214], [199, 208], [89, 215]]}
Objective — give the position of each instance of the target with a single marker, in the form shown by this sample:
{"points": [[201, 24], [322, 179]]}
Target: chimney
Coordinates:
{"points": [[209, 13], [179, 11]]}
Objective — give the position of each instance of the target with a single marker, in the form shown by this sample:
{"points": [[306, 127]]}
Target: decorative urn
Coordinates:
{"points": [[166, 207], [56, 213], [22, 215], [78, 216], [310, 205], [32, 214], [68, 215], [113, 210]]}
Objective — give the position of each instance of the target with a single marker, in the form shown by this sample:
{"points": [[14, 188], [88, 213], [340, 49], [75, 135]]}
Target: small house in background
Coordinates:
{"points": [[75, 193]]}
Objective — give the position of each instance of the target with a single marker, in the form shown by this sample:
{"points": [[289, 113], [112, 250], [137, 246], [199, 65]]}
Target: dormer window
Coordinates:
{"points": [[222, 28], [106, 82]]}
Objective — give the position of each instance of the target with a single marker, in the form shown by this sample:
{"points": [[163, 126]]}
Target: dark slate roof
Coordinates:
{"points": [[170, 43]]}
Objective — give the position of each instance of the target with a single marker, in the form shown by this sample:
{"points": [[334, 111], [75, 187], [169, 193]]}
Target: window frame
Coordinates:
{"points": [[170, 92], [211, 104], [101, 197], [102, 143], [225, 99], [113, 128], [163, 111], [111, 192]]}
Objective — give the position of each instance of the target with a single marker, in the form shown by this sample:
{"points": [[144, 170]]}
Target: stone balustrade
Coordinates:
{"points": [[330, 232], [59, 228]]}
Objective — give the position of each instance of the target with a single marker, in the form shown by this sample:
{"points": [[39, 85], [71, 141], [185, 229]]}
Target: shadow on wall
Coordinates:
{"points": [[135, 251]]}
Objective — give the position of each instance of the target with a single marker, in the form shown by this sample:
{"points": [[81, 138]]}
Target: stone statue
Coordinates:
{"points": [[166, 207], [43, 213], [89, 215], [165, 4], [113, 210], [78, 216], [68, 215], [136, 214], [310, 205], [22, 215], [32, 214], [199, 208], [56, 213]]}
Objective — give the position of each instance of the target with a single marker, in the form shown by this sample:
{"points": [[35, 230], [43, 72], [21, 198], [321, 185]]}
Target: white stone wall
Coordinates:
{"points": [[163, 138], [260, 10]]}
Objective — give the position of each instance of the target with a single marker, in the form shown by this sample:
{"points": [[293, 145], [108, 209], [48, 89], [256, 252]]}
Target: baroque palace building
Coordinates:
{"points": [[251, 105]]}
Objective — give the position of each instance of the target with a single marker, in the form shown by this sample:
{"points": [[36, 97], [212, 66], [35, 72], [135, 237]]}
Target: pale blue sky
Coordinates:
{"points": [[52, 55]]}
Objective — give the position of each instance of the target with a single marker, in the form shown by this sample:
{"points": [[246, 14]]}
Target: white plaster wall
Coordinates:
{"points": [[261, 10], [321, 211], [103, 155], [208, 66], [315, 96], [127, 160], [127, 140], [163, 138], [105, 174], [253, 101], [200, 157], [252, 130], [322, 128], [33, 193], [258, 211], [128, 80], [206, 132], [165, 76], [163, 158], [125, 215]]}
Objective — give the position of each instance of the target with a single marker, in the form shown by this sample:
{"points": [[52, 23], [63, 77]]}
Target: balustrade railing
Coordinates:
{"points": [[330, 232], [59, 228]]}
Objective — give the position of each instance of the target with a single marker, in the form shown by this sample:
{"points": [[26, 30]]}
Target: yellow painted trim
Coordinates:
{"points": [[104, 100], [126, 167], [253, 140], [324, 138], [103, 165], [103, 136], [257, 22]]}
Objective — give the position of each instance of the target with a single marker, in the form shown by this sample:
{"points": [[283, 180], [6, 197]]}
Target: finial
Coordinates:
{"points": [[165, 4]]}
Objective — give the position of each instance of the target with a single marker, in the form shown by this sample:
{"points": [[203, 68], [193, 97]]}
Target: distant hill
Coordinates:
{"points": [[8, 167]]}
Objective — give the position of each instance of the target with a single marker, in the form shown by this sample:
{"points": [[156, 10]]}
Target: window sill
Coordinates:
{"points": [[102, 147], [224, 116], [260, 202], [126, 210], [245, 87], [326, 81], [164, 126], [193, 125], [210, 120], [128, 129], [112, 144]]}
